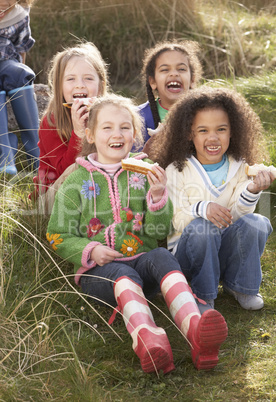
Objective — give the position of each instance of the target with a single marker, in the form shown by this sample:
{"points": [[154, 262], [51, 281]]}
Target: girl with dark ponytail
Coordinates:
{"points": [[169, 70]]}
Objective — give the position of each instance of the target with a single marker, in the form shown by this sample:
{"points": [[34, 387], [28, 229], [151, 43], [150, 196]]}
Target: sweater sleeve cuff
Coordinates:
{"points": [[86, 262], [158, 205], [200, 209], [248, 199]]}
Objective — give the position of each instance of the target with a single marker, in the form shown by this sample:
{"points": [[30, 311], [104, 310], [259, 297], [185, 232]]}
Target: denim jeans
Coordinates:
{"points": [[146, 270], [14, 74], [208, 254]]}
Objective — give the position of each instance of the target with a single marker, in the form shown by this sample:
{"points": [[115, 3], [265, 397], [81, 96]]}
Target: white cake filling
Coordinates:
{"points": [[253, 170], [139, 162]]}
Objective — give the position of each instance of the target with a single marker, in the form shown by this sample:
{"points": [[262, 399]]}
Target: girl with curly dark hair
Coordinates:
{"points": [[209, 136], [169, 70]]}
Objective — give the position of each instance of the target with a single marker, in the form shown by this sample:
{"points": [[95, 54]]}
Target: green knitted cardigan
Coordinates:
{"points": [[91, 208]]}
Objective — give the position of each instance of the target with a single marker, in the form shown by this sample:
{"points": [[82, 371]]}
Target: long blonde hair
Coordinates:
{"points": [[120, 102], [57, 115]]}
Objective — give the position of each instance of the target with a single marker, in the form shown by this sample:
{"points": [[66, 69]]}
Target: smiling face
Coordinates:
{"points": [[211, 135], [113, 135], [80, 80], [172, 77], [6, 6]]}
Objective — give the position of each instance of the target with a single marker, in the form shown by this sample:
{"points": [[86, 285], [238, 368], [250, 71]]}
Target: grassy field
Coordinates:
{"points": [[55, 344]]}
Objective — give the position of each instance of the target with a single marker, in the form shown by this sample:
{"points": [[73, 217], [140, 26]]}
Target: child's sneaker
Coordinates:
{"points": [[248, 302]]}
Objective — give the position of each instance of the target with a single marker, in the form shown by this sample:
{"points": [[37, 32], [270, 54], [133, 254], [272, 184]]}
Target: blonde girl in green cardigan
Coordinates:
{"points": [[107, 221]]}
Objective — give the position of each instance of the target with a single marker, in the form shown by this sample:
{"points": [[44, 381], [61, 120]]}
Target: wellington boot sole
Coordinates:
{"points": [[210, 333]]}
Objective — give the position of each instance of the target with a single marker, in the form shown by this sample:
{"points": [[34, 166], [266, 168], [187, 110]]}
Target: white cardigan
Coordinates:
{"points": [[191, 191]]}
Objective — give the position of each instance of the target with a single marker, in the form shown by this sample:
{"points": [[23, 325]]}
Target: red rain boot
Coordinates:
{"points": [[205, 333], [150, 343]]}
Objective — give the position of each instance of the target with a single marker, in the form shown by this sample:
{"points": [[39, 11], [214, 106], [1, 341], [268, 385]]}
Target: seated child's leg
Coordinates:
{"points": [[240, 263], [98, 282], [26, 113], [7, 151], [197, 253], [205, 333], [118, 283], [150, 342]]}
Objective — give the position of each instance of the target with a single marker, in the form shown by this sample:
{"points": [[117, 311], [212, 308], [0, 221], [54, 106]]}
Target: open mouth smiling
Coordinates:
{"points": [[75, 96], [174, 85], [116, 145], [213, 148]]}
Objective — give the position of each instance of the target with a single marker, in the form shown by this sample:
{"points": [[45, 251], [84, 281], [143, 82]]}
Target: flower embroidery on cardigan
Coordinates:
{"points": [[129, 247], [126, 214], [88, 189], [138, 222], [137, 181], [53, 239], [94, 227], [135, 237]]}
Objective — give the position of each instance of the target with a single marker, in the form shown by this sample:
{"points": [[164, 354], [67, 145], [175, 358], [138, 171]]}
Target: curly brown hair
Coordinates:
{"points": [[190, 49], [175, 145]]}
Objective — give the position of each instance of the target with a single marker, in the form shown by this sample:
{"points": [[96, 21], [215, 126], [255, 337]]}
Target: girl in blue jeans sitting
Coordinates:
{"points": [[16, 85], [209, 136]]}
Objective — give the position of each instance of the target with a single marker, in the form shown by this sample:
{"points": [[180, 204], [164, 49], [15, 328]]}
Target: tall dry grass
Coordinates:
{"points": [[39, 331], [236, 38]]}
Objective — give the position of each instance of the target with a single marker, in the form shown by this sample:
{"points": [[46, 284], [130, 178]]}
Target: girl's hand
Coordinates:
{"points": [[261, 181], [79, 116], [218, 215], [104, 254], [157, 184]]}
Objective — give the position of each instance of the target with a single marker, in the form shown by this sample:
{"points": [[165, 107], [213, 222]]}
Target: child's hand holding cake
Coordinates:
{"points": [[156, 175], [262, 175]]}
